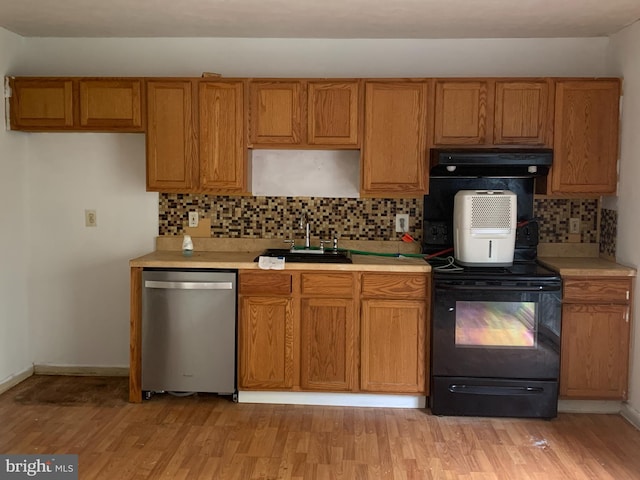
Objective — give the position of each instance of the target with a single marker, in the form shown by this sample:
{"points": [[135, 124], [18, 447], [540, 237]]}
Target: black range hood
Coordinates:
{"points": [[495, 162]]}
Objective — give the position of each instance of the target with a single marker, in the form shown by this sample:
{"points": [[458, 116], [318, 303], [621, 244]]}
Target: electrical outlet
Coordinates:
{"points": [[90, 218], [402, 222], [436, 232], [193, 219], [574, 225]]}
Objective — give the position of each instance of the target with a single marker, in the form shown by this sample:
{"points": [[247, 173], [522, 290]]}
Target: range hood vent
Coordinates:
{"points": [[503, 162]]}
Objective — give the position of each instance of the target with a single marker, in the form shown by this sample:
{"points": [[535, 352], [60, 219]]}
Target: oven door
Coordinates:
{"points": [[508, 330]]}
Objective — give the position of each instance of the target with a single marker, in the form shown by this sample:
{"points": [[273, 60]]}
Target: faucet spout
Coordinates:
{"points": [[304, 223]]}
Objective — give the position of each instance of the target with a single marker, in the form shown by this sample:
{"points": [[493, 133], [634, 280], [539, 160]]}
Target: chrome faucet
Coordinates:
{"points": [[304, 223]]}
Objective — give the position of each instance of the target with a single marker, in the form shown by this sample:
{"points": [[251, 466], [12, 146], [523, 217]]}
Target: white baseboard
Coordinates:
{"points": [[631, 415], [81, 370], [589, 406], [15, 379], [334, 399]]}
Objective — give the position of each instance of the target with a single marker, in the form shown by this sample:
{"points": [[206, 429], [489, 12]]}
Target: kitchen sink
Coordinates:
{"points": [[308, 256]]}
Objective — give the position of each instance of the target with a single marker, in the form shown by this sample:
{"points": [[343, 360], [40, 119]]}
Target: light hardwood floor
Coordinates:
{"points": [[209, 437]]}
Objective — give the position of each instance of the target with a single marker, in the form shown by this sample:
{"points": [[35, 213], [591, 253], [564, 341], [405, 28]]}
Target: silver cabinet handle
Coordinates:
{"points": [[189, 285]]}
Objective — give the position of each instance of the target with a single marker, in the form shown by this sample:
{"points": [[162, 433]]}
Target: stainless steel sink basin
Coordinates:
{"points": [[308, 256]]}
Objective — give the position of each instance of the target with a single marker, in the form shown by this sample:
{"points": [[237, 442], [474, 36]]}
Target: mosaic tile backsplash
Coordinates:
{"points": [[608, 231], [357, 218], [279, 217], [554, 215]]}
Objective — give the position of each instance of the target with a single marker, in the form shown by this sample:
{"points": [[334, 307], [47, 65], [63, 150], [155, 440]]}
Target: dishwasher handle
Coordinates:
{"points": [[188, 285]]}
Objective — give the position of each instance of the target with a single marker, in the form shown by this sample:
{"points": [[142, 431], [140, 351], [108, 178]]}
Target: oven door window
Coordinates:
{"points": [[495, 332], [496, 324]]}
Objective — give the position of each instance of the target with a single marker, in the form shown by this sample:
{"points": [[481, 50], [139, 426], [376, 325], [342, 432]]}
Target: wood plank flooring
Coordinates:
{"points": [[210, 437]]}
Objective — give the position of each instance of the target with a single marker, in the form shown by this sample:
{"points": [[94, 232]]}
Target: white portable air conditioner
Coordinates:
{"points": [[484, 227]]}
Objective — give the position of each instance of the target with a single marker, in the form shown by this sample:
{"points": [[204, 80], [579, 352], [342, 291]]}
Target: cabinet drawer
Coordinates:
{"points": [[327, 284], [265, 283], [616, 290], [398, 285]]}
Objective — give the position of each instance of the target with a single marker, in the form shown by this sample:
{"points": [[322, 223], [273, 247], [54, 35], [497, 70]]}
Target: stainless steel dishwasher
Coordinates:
{"points": [[189, 331]]}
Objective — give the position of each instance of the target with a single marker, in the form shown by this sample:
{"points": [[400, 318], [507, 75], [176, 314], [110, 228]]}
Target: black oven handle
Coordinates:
{"points": [[495, 390], [501, 288]]}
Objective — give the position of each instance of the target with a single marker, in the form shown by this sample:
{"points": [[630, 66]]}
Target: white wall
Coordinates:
{"points": [[625, 55], [314, 57], [15, 356], [78, 277]]}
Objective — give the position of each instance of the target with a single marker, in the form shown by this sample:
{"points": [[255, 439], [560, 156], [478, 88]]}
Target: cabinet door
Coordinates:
{"points": [[326, 347], [585, 136], [275, 112], [393, 347], [222, 146], [171, 141], [463, 112], [522, 113], [395, 139], [332, 113], [41, 104], [595, 351], [114, 104], [266, 343]]}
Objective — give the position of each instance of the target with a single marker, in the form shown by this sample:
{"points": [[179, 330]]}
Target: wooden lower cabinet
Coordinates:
{"points": [[595, 338], [392, 346], [326, 344], [266, 343], [393, 337], [309, 331], [265, 331]]}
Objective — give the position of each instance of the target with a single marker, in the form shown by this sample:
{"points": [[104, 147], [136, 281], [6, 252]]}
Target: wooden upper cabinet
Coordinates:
{"points": [[41, 104], [494, 112], [172, 154], [586, 136], [221, 138], [275, 112], [463, 112], [523, 113], [304, 113], [333, 113], [111, 104], [182, 158], [395, 139], [77, 104]]}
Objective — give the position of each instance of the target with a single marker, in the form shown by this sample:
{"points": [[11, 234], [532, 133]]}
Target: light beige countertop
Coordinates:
{"points": [[240, 253], [587, 267], [244, 260]]}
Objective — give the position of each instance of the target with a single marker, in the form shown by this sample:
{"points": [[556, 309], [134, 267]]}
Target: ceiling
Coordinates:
{"points": [[318, 18]]}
